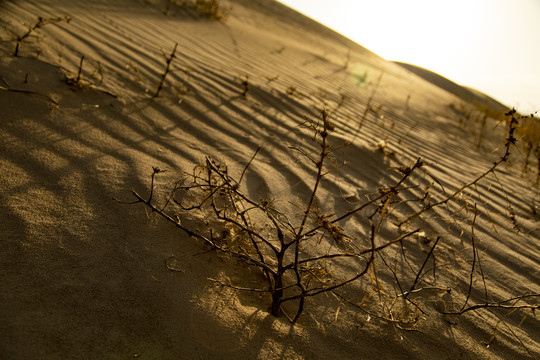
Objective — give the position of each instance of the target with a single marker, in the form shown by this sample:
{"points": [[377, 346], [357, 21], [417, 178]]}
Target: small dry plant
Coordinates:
{"points": [[38, 25], [76, 81], [180, 89], [294, 252], [212, 9], [168, 61]]}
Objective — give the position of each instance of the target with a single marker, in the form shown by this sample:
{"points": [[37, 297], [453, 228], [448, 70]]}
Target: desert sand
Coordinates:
{"points": [[84, 276]]}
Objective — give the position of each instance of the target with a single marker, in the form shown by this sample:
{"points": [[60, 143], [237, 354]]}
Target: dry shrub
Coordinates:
{"points": [[212, 9], [305, 253]]}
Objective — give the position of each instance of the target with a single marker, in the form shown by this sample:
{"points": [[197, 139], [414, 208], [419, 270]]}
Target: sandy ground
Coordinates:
{"points": [[85, 277]]}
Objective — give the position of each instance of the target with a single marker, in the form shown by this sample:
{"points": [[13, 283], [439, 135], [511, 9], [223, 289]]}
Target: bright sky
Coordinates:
{"points": [[490, 45]]}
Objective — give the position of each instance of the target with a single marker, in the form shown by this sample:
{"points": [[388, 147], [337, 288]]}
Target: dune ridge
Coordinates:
{"points": [[86, 277], [470, 95]]}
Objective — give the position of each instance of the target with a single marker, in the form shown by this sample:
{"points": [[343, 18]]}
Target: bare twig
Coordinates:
{"points": [[499, 304], [249, 163], [167, 70], [40, 23], [422, 267], [473, 242], [76, 81]]}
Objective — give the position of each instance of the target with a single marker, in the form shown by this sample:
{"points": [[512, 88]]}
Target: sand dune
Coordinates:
{"points": [[85, 277], [469, 95]]}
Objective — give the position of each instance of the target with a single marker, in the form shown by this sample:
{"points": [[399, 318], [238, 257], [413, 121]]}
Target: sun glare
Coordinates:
{"points": [[491, 45]]}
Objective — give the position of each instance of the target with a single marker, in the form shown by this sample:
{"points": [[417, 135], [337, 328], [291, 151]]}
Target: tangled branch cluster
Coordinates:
{"points": [[288, 254], [298, 254]]}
